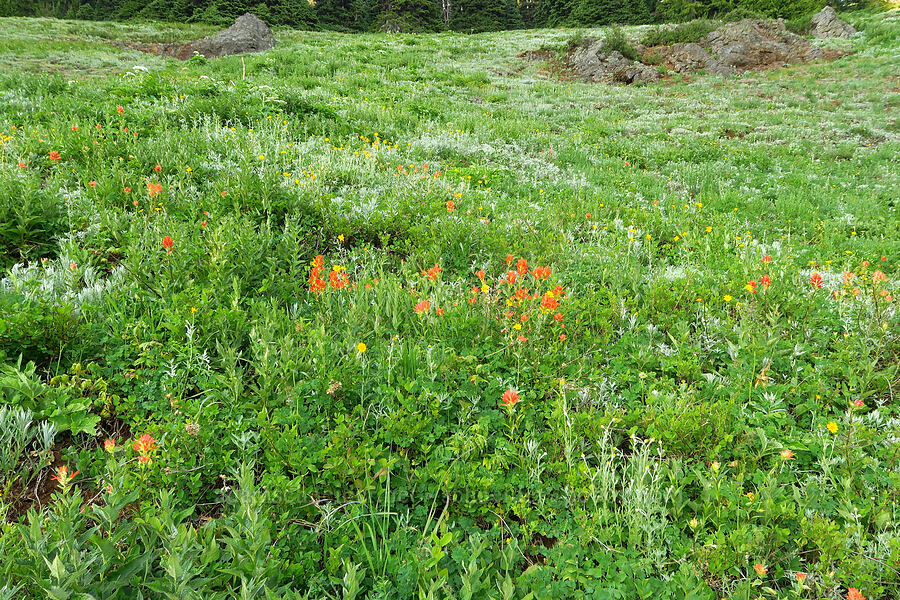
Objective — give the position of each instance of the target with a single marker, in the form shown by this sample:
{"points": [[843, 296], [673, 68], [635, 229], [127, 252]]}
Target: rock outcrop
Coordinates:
{"points": [[248, 34], [826, 24], [747, 45], [754, 44], [592, 62], [690, 57]]}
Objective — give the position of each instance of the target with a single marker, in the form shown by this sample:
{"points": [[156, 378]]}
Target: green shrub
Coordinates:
{"points": [[800, 25], [31, 219], [616, 41], [693, 31], [739, 14]]}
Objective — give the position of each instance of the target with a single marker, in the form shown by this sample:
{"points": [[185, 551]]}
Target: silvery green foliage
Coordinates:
{"points": [[24, 445], [57, 282]]}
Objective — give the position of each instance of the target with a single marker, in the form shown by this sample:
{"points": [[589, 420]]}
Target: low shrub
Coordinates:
{"points": [[616, 41], [692, 31], [740, 13]]}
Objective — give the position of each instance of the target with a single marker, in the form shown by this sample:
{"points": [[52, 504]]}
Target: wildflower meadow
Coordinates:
{"points": [[396, 316]]}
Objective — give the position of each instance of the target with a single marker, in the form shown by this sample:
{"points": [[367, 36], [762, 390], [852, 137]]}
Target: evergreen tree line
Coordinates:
{"points": [[471, 16]]}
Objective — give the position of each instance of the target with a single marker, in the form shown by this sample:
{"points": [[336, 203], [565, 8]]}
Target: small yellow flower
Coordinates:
{"points": [[341, 238], [193, 309], [727, 298], [361, 348], [709, 230], [832, 427], [484, 289], [262, 157], [517, 326]]}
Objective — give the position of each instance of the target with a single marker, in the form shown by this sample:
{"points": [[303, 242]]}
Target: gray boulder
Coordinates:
{"points": [[591, 62], [690, 57], [248, 34], [826, 24], [754, 44]]}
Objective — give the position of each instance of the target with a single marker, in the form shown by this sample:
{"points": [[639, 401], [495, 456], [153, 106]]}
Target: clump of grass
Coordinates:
{"points": [[616, 41], [692, 31], [578, 38], [739, 14], [799, 25]]}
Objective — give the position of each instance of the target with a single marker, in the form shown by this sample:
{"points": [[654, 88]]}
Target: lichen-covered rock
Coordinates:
{"points": [[690, 57], [248, 34], [591, 62], [637, 73], [754, 44], [747, 45], [826, 24]]}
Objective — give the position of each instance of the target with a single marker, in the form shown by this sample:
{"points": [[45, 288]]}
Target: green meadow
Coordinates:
{"points": [[398, 316]]}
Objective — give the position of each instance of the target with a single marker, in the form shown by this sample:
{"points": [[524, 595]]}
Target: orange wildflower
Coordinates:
{"points": [[522, 266], [145, 444], [549, 302], [510, 398], [316, 283], [338, 281], [63, 476]]}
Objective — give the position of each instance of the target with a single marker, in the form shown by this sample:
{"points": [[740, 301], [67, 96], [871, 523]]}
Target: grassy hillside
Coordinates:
{"points": [[385, 316]]}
